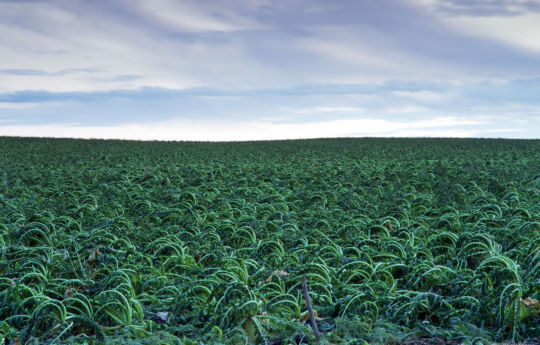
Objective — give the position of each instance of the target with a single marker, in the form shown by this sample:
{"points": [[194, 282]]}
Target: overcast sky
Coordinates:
{"points": [[269, 69]]}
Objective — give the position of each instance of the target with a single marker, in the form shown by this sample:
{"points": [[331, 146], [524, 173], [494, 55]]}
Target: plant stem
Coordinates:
{"points": [[312, 319]]}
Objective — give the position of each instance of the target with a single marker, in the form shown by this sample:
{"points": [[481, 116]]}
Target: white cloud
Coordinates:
{"points": [[428, 3], [519, 31], [508, 22], [405, 109], [226, 131], [461, 133], [424, 96], [334, 109]]}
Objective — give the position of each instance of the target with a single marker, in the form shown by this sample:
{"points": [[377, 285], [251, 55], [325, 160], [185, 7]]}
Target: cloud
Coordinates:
{"points": [[37, 72], [248, 130], [405, 109], [107, 64], [485, 8], [329, 110], [26, 105], [423, 96], [186, 16], [23, 72], [429, 93], [514, 23], [519, 31], [497, 106], [43, 45], [99, 46]]}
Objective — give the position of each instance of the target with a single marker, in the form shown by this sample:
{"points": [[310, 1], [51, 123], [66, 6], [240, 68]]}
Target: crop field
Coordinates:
{"points": [[401, 241]]}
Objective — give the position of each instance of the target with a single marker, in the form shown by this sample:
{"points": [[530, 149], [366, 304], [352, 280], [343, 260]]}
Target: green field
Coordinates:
{"points": [[121, 242]]}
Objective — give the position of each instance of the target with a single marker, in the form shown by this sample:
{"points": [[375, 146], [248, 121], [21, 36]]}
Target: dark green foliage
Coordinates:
{"points": [[187, 243]]}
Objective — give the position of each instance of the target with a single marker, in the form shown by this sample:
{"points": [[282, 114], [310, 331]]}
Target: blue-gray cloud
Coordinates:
{"points": [[37, 72], [487, 7], [248, 43], [517, 90], [99, 63], [396, 100]]}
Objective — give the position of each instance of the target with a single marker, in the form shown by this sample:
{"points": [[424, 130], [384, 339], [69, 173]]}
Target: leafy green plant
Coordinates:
{"points": [[181, 243]]}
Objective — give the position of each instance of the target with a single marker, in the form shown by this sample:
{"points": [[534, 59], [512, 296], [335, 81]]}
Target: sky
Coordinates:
{"points": [[269, 69]]}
